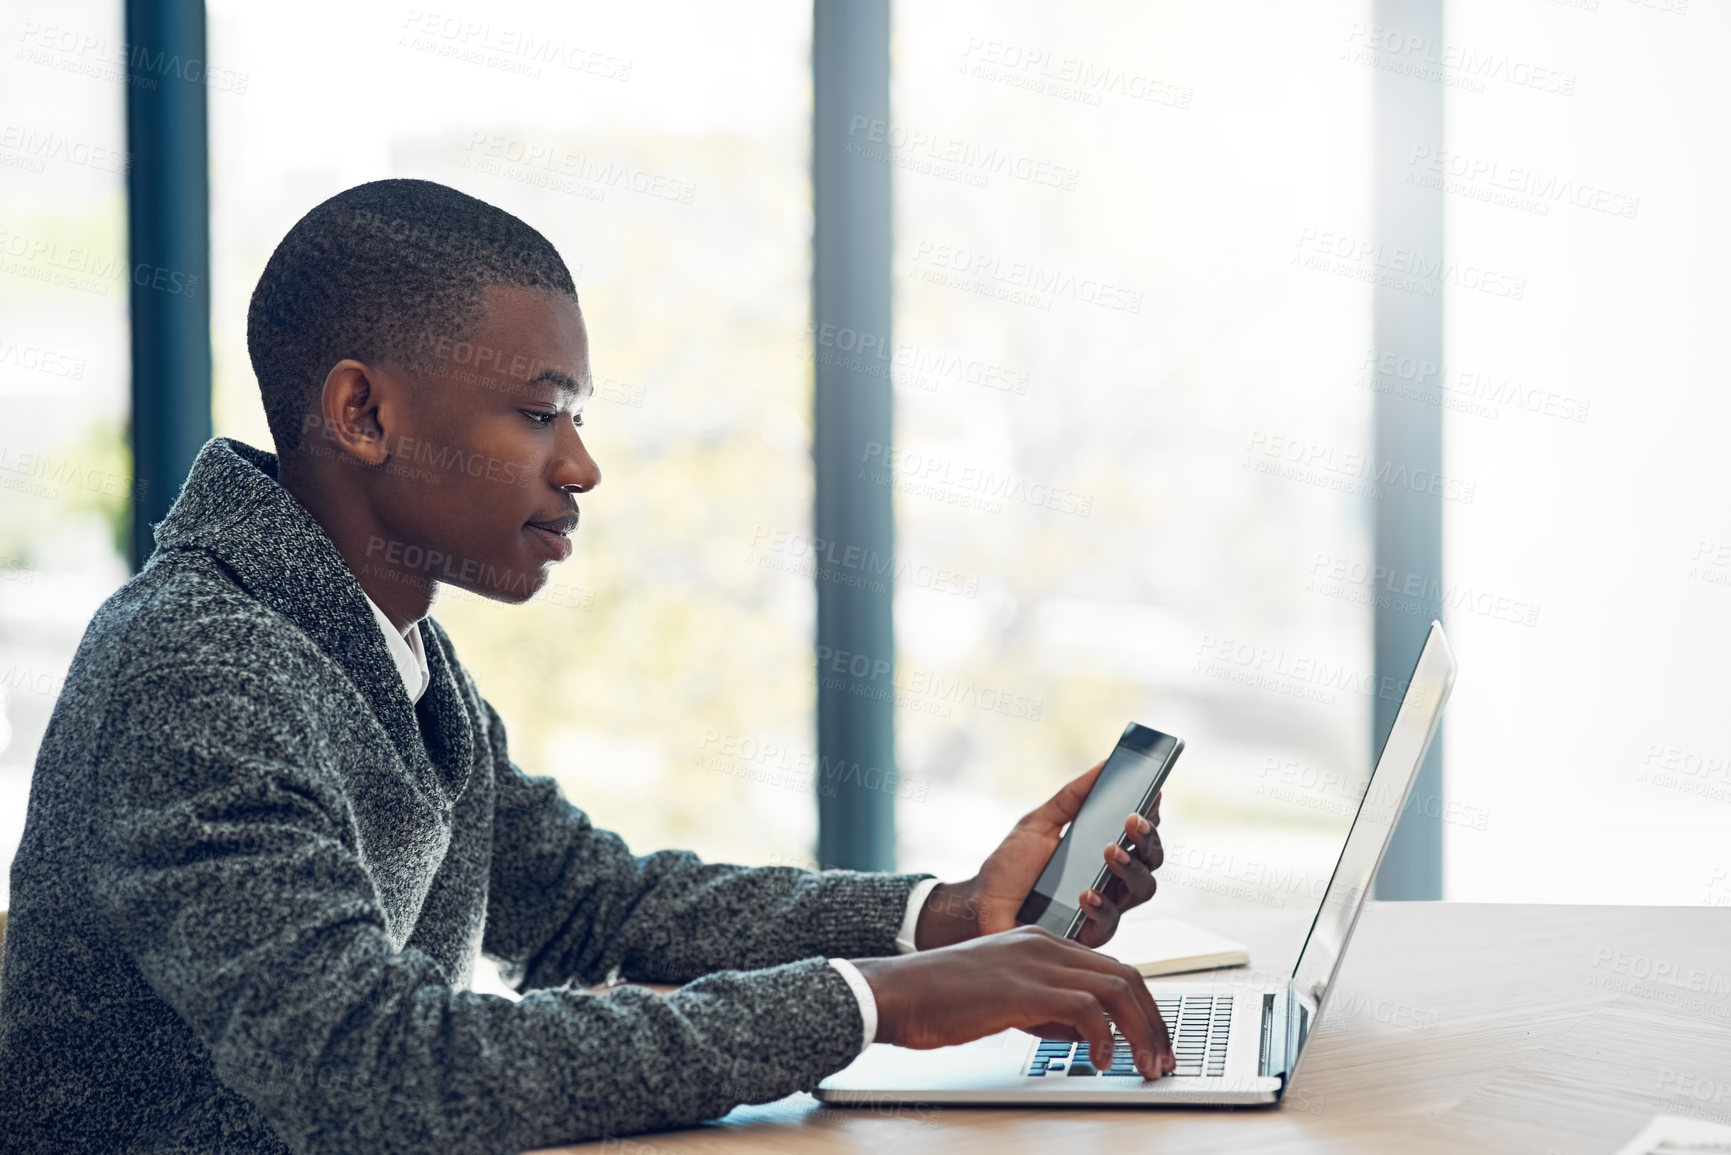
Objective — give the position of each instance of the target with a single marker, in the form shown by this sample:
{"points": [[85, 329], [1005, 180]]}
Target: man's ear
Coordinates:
{"points": [[348, 415]]}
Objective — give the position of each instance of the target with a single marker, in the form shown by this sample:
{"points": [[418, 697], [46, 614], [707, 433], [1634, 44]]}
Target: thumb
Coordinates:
{"points": [[1067, 802]]}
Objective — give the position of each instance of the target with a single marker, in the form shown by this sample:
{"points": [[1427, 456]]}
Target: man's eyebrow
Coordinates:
{"points": [[564, 383]]}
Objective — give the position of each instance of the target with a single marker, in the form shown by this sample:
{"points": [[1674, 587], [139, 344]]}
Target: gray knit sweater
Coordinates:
{"points": [[254, 880]]}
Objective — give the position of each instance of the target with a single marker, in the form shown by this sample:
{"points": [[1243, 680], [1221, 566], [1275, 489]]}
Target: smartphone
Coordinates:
{"points": [[1127, 783]]}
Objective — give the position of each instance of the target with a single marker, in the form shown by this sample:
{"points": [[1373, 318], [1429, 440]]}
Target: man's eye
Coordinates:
{"points": [[541, 419], [577, 420]]}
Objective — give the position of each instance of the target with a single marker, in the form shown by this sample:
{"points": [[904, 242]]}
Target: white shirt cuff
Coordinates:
{"points": [[911, 920], [862, 990]]}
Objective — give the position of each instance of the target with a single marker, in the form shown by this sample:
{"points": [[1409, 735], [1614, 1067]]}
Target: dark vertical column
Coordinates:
{"points": [[1408, 112], [168, 225], [851, 248]]}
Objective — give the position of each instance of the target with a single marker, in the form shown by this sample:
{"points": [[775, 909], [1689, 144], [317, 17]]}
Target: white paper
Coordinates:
{"points": [[1679, 1135]]}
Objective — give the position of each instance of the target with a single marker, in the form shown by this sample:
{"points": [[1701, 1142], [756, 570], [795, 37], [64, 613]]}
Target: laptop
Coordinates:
{"points": [[1236, 1044]]}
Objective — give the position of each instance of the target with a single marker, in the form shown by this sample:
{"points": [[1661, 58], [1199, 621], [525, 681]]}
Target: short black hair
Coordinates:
{"points": [[372, 273]]}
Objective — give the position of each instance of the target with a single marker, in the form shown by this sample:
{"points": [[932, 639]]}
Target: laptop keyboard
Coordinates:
{"points": [[1199, 1024]]}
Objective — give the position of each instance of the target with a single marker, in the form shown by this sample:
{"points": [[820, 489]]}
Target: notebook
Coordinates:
{"points": [[1166, 946]]}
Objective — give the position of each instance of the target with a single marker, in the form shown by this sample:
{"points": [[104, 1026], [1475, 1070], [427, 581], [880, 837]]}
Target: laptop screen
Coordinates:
{"points": [[1384, 798]]}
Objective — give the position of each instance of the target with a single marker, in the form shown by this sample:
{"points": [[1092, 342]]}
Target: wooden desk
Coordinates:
{"points": [[1528, 1029]]}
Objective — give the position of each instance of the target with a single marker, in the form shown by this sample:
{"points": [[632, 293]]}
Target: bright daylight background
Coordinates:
{"points": [[666, 680]]}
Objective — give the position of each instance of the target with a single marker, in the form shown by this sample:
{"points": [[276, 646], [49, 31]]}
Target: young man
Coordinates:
{"points": [[272, 821]]}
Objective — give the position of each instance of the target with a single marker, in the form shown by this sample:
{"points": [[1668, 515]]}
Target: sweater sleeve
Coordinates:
{"points": [[567, 901], [226, 864]]}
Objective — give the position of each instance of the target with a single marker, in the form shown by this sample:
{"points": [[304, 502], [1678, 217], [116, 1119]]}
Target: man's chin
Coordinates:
{"points": [[511, 586]]}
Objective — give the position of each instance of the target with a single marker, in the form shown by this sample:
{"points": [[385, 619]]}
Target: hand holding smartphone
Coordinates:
{"points": [[1129, 782]]}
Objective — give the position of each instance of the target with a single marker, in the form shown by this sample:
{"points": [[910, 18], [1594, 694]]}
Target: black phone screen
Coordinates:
{"points": [[1127, 784]]}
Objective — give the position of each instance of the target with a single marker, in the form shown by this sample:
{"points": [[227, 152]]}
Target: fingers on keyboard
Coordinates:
{"points": [[1200, 1026]]}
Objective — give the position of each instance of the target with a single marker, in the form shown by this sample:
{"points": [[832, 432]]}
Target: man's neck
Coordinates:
{"points": [[406, 595]]}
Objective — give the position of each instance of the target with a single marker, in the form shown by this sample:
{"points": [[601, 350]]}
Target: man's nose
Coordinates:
{"points": [[575, 471]]}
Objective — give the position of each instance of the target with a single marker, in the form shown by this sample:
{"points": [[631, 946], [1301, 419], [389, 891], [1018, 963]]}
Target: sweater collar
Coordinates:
{"points": [[233, 508], [406, 650]]}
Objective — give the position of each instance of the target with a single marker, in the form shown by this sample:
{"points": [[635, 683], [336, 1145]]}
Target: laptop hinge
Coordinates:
{"points": [[1267, 1032], [1275, 1033]]}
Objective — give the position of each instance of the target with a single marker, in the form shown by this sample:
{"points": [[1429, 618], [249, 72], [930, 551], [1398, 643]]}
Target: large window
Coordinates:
{"points": [[65, 475], [1108, 343], [1593, 574], [1133, 369]]}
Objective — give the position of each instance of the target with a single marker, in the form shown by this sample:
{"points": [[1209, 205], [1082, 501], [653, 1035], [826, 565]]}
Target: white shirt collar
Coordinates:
{"points": [[406, 651]]}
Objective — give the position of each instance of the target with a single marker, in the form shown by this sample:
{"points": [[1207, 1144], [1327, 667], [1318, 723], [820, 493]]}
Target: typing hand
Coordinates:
{"points": [[1026, 978], [988, 902]]}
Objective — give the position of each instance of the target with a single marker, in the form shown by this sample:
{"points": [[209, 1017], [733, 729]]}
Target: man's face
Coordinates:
{"points": [[486, 457]]}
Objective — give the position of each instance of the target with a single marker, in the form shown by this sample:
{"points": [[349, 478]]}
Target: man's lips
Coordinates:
{"points": [[563, 524], [554, 534]]}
